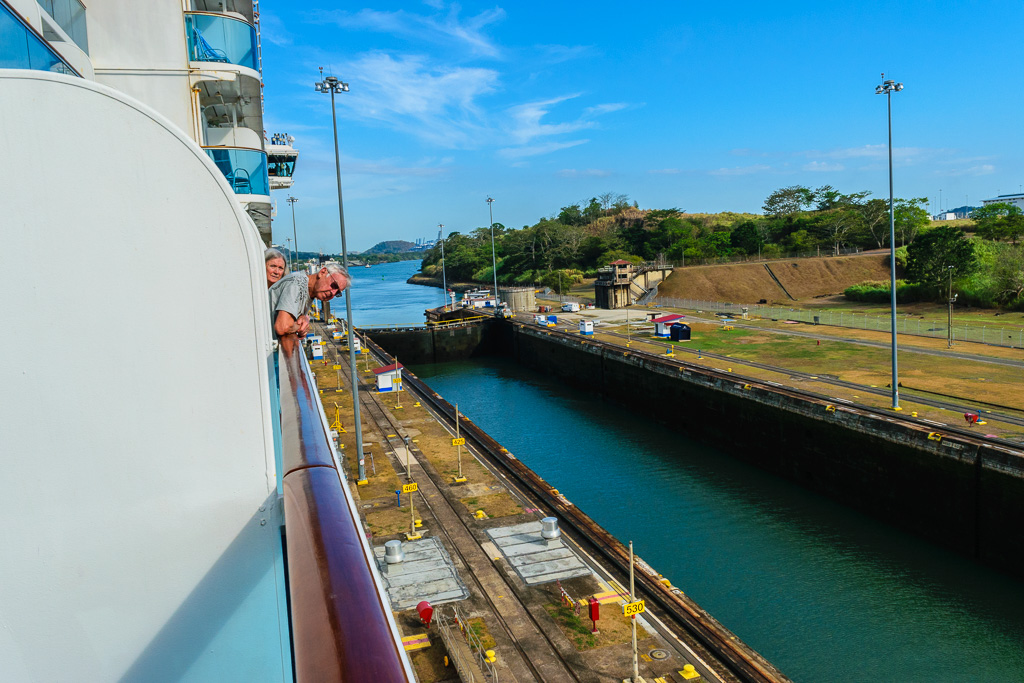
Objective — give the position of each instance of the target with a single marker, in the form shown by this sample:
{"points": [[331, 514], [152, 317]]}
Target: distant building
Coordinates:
{"points": [[1011, 199], [613, 284], [954, 214]]}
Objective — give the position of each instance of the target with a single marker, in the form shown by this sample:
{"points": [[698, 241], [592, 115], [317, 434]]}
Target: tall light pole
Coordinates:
{"points": [[334, 86], [444, 278], [292, 200], [888, 88], [949, 322], [494, 258]]}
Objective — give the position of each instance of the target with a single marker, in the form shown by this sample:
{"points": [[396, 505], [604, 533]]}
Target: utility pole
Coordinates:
{"points": [[949, 322], [444, 278], [494, 258], [887, 88], [292, 200], [632, 618], [334, 86]]}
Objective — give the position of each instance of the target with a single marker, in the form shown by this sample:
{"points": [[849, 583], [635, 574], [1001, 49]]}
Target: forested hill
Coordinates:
{"points": [[982, 260], [390, 247]]}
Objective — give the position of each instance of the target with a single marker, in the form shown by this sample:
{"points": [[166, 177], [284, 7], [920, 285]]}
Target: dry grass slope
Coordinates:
{"points": [[750, 282]]}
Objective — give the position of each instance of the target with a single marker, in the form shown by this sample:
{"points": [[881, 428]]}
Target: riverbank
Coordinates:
{"points": [[427, 281]]}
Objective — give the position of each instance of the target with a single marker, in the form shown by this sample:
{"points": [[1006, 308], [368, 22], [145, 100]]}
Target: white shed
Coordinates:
{"points": [[389, 377], [662, 324]]}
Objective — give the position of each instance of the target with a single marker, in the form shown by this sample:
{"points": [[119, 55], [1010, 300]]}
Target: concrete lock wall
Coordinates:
{"points": [[437, 345], [956, 492]]}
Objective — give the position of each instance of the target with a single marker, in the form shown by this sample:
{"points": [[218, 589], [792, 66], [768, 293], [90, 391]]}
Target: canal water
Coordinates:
{"points": [[824, 593]]}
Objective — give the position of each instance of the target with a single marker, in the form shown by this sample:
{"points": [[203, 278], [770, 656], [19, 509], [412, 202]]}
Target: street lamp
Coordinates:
{"points": [[334, 86], [444, 278], [292, 200], [949, 322], [887, 88], [494, 258]]}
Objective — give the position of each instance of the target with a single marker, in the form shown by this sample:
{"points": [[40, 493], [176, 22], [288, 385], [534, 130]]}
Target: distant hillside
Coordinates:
{"points": [[750, 282], [390, 247]]}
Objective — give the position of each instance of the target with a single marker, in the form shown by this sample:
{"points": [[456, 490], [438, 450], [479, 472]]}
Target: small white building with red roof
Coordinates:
{"points": [[389, 377], [662, 324]]}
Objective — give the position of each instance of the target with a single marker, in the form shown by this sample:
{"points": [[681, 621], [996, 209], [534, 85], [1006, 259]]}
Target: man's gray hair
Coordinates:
{"points": [[272, 253], [335, 268]]}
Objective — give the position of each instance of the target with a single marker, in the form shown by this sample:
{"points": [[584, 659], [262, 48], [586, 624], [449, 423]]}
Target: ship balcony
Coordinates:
{"points": [[218, 41], [21, 47], [245, 169]]}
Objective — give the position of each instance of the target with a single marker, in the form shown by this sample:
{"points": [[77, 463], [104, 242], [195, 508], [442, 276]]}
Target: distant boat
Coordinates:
{"points": [[367, 265]]}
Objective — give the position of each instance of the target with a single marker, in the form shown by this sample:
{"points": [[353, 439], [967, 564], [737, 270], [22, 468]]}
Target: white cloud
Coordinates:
{"points": [[273, 31], [586, 173], [435, 28], [526, 125], [980, 169], [554, 54], [436, 103], [741, 170], [821, 166], [534, 150], [665, 171], [526, 120]]}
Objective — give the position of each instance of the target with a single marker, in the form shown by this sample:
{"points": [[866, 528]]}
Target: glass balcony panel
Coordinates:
{"points": [[20, 48], [70, 16], [217, 38], [245, 169]]}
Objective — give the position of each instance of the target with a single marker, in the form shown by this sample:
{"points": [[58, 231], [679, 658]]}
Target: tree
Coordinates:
{"points": [[1008, 274], [999, 221], [874, 215], [934, 251], [909, 216], [788, 201], [837, 224]]}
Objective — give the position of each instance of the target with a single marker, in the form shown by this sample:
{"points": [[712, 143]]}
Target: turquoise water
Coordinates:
{"points": [[825, 593], [381, 296]]}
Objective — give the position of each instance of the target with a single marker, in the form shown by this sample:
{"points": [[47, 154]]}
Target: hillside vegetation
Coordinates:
{"points": [[750, 282], [981, 260]]}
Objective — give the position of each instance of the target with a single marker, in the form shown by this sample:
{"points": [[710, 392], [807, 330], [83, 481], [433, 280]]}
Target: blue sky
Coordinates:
{"points": [[705, 107]]}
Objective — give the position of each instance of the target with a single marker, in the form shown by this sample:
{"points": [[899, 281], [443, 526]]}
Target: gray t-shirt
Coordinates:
{"points": [[291, 294]]}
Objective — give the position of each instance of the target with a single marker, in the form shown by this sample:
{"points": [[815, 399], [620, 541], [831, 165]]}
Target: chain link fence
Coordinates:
{"points": [[995, 335]]}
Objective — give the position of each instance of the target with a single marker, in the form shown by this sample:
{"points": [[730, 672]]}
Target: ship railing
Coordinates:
{"points": [[342, 627]]}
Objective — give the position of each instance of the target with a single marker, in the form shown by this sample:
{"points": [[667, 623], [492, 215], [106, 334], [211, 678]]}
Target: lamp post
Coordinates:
{"points": [[444, 278], [887, 88], [494, 258], [292, 200], [334, 86], [949, 322]]}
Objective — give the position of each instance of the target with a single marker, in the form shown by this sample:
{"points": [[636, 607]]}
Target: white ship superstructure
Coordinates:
{"points": [[196, 62]]}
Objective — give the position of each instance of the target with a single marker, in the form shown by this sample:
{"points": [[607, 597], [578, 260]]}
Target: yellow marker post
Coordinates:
{"points": [[398, 389], [458, 442], [338, 368], [411, 488], [632, 608]]}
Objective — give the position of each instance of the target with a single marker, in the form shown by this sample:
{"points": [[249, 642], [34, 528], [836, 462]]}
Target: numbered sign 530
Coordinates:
{"points": [[461, 441], [409, 488], [633, 608]]}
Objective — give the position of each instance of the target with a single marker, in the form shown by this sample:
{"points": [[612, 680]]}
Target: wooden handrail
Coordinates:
{"points": [[341, 626]]}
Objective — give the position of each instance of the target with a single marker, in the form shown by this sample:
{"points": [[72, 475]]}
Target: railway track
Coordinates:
{"points": [[387, 425], [741, 663]]}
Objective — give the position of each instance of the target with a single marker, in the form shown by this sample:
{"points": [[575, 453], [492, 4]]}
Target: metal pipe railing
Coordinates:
{"points": [[342, 629]]}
